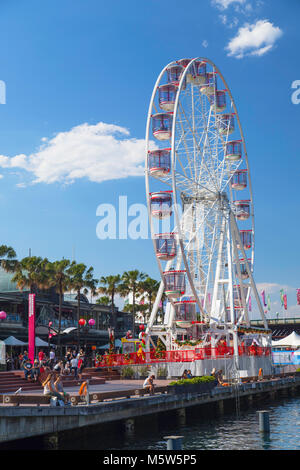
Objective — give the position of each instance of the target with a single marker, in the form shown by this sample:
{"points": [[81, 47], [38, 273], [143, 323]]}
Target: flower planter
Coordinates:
{"points": [[192, 388]]}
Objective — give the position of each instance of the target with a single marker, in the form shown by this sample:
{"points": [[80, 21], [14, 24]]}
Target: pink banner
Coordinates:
{"points": [[263, 298], [298, 296], [31, 326], [285, 301]]}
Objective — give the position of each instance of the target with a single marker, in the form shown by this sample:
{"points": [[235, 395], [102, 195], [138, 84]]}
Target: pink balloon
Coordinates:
{"points": [[92, 322], [2, 315]]}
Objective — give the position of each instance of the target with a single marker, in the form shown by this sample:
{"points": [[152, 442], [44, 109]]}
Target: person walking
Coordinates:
{"points": [[74, 366]]}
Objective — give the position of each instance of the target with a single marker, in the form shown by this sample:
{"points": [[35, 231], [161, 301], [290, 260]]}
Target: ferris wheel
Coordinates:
{"points": [[200, 202]]}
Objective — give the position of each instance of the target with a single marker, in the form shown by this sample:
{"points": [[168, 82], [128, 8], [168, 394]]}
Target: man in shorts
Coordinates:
{"points": [[148, 384]]}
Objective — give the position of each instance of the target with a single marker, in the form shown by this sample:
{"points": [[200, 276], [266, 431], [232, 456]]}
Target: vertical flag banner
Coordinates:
{"points": [[285, 301], [31, 326], [250, 304], [269, 302], [263, 298], [298, 296], [281, 297]]}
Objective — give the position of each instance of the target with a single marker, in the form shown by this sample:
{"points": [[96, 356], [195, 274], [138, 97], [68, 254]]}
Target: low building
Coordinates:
{"points": [[15, 303]]}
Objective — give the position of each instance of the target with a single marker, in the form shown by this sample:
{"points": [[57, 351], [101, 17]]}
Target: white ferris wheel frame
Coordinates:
{"points": [[231, 233]]}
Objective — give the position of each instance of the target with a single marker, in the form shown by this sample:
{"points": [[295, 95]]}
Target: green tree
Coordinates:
{"points": [[81, 277], [57, 275], [8, 258], [132, 284], [110, 286], [150, 287], [30, 273]]}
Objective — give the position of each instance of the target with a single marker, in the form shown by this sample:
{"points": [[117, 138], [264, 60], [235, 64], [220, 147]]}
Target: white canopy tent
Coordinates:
{"points": [[291, 341], [2, 353], [118, 344], [12, 341]]}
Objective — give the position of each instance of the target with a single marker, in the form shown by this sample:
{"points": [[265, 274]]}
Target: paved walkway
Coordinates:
{"points": [[109, 386]]}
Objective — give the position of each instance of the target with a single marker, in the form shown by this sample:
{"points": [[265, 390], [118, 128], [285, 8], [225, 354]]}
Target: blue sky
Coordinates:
{"points": [[69, 65]]}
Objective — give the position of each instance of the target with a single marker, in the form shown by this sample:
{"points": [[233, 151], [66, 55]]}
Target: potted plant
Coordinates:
{"points": [[162, 373], [195, 385], [127, 372], [143, 372]]}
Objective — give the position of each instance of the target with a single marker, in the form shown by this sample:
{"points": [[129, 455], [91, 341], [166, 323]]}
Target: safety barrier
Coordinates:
{"points": [[187, 355]]}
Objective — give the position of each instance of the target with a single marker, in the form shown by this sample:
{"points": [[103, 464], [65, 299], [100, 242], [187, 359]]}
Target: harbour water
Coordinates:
{"points": [[231, 431]]}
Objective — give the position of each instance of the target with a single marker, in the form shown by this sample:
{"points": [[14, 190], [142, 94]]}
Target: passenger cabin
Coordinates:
{"points": [[209, 85], [174, 283], [218, 101], [162, 126], [239, 180], [242, 210], [226, 124], [165, 246], [185, 313], [246, 238], [167, 96], [159, 162], [161, 204], [233, 150]]}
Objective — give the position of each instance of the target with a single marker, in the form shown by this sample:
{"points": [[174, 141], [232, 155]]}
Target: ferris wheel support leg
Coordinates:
{"points": [[218, 270], [236, 257], [155, 306], [253, 285]]}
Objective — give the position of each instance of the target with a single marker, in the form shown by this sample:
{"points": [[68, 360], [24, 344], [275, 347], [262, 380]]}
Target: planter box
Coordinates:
{"points": [[192, 388]]}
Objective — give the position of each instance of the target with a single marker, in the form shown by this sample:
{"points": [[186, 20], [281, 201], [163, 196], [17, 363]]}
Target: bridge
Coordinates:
{"points": [[280, 327]]}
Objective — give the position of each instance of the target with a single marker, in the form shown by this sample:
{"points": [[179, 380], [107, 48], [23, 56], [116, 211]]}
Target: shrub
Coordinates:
{"points": [[162, 372], [143, 370], [194, 380], [127, 372]]}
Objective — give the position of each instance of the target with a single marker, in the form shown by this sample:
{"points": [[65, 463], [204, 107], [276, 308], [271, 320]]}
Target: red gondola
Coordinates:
{"points": [[161, 204], [159, 163], [242, 210], [246, 238], [185, 313], [209, 85], [218, 100], [233, 150], [174, 283], [226, 123], [162, 126], [165, 246], [239, 180], [167, 96]]}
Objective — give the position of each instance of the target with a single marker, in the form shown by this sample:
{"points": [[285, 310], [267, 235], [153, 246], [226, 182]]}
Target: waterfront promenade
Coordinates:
{"points": [[19, 422]]}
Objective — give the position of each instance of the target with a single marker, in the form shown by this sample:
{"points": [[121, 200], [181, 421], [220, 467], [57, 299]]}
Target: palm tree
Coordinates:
{"points": [[8, 258], [81, 277], [132, 284], [30, 273], [104, 300], [57, 275], [150, 288], [110, 286]]}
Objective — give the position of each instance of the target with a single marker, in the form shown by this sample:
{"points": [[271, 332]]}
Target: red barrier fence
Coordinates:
{"points": [[153, 357]]}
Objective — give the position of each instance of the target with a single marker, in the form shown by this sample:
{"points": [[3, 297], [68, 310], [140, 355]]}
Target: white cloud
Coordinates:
{"points": [[99, 152], [256, 39], [224, 4]]}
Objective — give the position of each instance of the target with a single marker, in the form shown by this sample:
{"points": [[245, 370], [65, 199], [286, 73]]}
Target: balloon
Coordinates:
{"points": [[82, 322], [142, 327], [92, 322], [2, 315]]}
